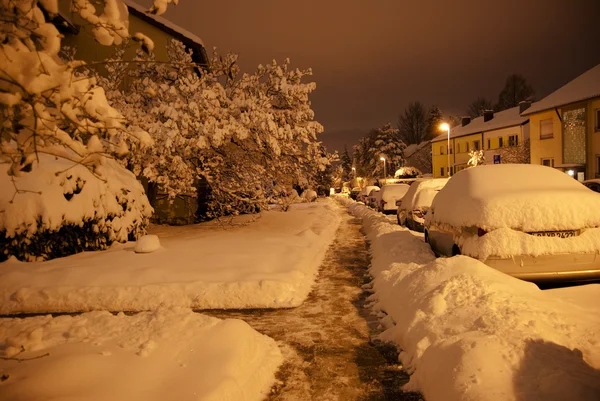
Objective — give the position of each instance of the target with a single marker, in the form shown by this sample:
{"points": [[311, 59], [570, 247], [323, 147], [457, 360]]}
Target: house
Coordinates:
{"points": [[502, 136], [419, 156], [160, 30], [565, 127]]}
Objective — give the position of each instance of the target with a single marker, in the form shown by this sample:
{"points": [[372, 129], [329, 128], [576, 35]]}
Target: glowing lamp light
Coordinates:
{"points": [[445, 126], [571, 173]]}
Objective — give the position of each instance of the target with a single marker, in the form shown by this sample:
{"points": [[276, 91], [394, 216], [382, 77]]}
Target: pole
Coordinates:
{"points": [[384, 174], [448, 151]]}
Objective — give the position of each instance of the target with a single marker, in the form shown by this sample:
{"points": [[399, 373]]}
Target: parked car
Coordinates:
{"points": [[411, 211], [364, 193], [529, 221], [373, 198], [389, 194], [593, 184], [354, 192]]}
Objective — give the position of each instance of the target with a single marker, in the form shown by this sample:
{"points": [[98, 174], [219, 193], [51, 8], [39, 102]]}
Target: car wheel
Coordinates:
{"points": [[455, 250], [426, 236]]}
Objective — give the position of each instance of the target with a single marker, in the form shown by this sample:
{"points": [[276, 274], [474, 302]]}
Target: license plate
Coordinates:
{"points": [[556, 234]]}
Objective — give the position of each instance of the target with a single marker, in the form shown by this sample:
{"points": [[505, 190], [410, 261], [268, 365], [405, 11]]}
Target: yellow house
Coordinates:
{"points": [[565, 127], [493, 133]]}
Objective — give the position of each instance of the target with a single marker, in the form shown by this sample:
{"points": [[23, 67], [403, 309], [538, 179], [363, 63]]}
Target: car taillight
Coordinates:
{"points": [[481, 232]]}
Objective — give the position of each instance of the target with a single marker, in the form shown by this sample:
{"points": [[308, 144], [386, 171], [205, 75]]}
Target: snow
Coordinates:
{"points": [[585, 86], [469, 332], [266, 262], [160, 355], [147, 244], [522, 197], [309, 195], [503, 119]]}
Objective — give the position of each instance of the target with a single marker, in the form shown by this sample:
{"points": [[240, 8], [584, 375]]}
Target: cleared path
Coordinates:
{"points": [[326, 341]]}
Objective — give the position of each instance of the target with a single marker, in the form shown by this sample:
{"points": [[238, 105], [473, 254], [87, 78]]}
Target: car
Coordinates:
{"points": [[389, 194], [373, 198], [532, 222], [411, 211], [364, 193], [354, 192], [593, 184]]}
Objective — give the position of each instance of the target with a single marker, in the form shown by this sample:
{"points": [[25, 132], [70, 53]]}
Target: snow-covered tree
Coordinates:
{"points": [[250, 136], [381, 142], [476, 158], [346, 165]]}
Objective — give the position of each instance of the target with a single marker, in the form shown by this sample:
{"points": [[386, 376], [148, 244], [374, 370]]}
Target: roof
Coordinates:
{"points": [[186, 37], [414, 148], [585, 86], [502, 119]]}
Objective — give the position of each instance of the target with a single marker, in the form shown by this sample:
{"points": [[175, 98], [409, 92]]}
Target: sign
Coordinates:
{"points": [[496, 159]]}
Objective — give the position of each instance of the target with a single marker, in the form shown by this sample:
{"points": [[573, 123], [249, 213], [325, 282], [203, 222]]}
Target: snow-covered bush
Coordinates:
{"points": [[309, 195], [407, 172], [476, 158], [59, 209]]}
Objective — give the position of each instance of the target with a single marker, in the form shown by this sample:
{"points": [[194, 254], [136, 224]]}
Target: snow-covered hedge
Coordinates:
{"points": [[60, 208]]}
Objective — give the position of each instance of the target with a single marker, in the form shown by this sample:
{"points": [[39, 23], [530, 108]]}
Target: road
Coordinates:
{"points": [[327, 340]]}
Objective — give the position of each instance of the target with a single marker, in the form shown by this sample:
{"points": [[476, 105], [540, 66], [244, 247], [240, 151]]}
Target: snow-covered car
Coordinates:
{"points": [[373, 198], [529, 221], [412, 209], [593, 184], [364, 193], [389, 195], [354, 192]]}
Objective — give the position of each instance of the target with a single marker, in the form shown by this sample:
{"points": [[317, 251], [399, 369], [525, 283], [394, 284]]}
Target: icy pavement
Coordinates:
{"points": [[326, 341]]}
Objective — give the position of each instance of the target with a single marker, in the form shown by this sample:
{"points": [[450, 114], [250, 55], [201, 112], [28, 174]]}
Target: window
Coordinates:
{"points": [[442, 171], [451, 171], [458, 148], [597, 122], [450, 149], [597, 166], [546, 129], [513, 140], [475, 145], [548, 162], [467, 147], [441, 150], [500, 142], [489, 143]]}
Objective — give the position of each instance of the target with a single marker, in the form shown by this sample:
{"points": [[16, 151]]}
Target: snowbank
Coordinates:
{"points": [[168, 354], [268, 263], [469, 332]]}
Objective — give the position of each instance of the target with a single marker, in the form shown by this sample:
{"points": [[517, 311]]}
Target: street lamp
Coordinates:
{"points": [[446, 127], [383, 160], [354, 171]]}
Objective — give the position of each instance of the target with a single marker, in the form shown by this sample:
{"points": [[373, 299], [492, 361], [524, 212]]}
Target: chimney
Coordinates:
{"points": [[465, 121], [488, 115], [524, 105]]}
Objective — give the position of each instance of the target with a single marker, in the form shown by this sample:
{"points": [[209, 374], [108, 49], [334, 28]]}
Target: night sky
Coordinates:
{"points": [[370, 58]]}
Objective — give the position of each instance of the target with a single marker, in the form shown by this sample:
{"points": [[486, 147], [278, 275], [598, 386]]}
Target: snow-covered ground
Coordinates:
{"points": [[469, 332], [168, 354], [270, 262]]}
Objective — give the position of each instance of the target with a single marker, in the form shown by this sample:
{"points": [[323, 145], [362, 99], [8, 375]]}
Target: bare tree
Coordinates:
{"points": [[478, 106], [412, 124], [519, 154], [516, 89]]}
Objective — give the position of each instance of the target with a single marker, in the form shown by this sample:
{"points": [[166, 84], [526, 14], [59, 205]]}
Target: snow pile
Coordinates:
{"points": [[412, 201], [309, 195], [147, 244], [266, 262], [58, 193], [167, 354], [469, 332], [519, 196]]}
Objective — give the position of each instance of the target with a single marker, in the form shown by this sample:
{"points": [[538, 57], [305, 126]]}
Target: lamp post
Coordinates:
{"points": [[446, 127], [383, 160], [354, 171]]}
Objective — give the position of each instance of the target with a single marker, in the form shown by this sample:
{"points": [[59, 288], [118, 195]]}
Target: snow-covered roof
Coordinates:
{"points": [[541, 199], [414, 148], [501, 119], [585, 86], [143, 11]]}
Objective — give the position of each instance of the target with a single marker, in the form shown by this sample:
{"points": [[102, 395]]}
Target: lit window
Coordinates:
{"points": [[546, 129], [548, 162]]}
